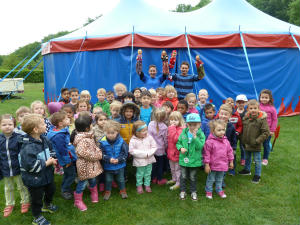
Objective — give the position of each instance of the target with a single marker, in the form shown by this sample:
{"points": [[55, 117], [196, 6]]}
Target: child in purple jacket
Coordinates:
{"points": [[217, 153]]}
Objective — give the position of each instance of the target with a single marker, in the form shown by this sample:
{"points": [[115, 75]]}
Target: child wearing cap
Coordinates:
{"points": [[190, 144]]}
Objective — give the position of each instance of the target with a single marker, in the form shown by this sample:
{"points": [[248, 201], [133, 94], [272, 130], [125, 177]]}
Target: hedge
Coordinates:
{"points": [[36, 76]]}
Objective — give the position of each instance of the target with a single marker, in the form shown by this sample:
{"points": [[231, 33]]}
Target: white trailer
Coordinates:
{"points": [[11, 86]]}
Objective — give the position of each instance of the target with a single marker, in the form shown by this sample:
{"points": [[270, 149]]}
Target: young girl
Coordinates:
{"points": [[137, 95], [142, 147], [9, 165], [176, 122], [191, 100], [217, 153], [98, 128], [81, 106], [160, 95], [88, 160], [69, 110], [159, 131], [85, 95], [171, 95], [267, 105], [39, 107], [154, 98]]}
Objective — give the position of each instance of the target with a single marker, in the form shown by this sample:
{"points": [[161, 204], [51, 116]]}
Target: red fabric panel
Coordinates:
{"points": [[148, 41], [270, 40], [214, 41]]}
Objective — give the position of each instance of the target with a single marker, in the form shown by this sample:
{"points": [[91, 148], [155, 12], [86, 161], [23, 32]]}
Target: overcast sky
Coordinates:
{"points": [[26, 21]]}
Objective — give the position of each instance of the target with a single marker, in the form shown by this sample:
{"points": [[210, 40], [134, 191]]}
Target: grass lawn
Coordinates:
{"points": [[275, 200]]}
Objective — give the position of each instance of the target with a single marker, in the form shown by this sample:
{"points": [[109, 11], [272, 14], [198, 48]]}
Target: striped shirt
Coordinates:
{"points": [[184, 84]]}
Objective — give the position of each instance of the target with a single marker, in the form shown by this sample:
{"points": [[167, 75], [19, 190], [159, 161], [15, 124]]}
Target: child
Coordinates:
{"points": [[137, 95], [20, 114], [110, 97], [267, 105], [235, 118], [241, 101], [68, 109], [177, 124], [159, 131], [129, 113], [202, 100], [152, 81], [168, 107], [191, 100], [115, 108], [119, 90], [9, 165], [183, 82], [142, 147], [210, 111], [59, 137], [190, 144], [255, 132], [36, 162], [182, 107], [160, 96], [153, 97], [98, 127], [85, 95], [146, 108], [82, 106], [217, 153], [65, 95], [171, 96], [115, 152], [39, 107], [128, 96], [96, 111], [101, 95], [74, 95], [88, 162]]}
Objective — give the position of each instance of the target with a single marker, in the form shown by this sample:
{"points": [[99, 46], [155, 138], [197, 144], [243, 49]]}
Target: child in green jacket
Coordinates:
{"points": [[190, 144]]}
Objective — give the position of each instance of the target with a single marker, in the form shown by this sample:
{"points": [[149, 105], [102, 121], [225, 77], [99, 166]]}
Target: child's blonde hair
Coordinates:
{"points": [[85, 93], [115, 105], [101, 91], [38, 102], [226, 107], [119, 85], [177, 116], [30, 122], [190, 95], [268, 92], [170, 88], [214, 123], [152, 91], [203, 90], [160, 89], [83, 101], [22, 109], [136, 125], [159, 116], [253, 102], [111, 124], [8, 117]]}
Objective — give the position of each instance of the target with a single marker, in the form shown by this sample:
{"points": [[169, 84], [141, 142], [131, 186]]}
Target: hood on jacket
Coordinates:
{"points": [[136, 109], [52, 132], [261, 115]]}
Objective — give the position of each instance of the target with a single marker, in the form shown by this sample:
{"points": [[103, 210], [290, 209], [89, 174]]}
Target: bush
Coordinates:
{"points": [[36, 76]]}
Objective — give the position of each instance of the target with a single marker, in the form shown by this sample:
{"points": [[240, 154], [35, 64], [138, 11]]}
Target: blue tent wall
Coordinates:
{"points": [[227, 73]]}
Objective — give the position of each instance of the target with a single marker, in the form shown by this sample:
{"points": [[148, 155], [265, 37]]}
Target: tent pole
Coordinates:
{"points": [[72, 66], [295, 40], [33, 69], [249, 67], [131, 58]]}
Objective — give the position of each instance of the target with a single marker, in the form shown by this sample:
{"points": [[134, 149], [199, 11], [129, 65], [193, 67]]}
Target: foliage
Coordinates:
{"points": [[189, 8], [90, 20], [36, 76], [294, 9]]}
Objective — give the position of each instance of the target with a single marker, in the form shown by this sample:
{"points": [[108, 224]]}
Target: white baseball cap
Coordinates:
{"points": [[241, 98]]}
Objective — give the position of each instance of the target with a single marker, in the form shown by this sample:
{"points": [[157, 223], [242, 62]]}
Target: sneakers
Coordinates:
{"points": [[194, 196], [265, 162], [231, 172], [222, 194], [182, 195], [170, 182], [106, 195], [209, 195], [41, 221], [25, 207], [67, 195], [162, 181], [8, 210], [139, 189], [123, 194], [242, 162], [245, 172], [174, 187], [256, 179], [49, 208], [148, 189]]}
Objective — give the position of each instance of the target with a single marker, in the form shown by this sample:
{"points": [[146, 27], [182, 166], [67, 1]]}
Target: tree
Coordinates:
{"points": [[189, 8], [293, 12]]}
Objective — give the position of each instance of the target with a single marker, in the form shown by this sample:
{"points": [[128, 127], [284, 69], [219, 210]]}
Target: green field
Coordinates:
{"points": [[275, 200]]}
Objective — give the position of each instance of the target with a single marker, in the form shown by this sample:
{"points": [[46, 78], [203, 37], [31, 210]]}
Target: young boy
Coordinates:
{"points": [[152, 81], [74, 95], [65, 95], [183, 107], [168, 107], [119, 90], [210, 111], [183, 82], [202, 100], [115, 152], [110, 97], [255, 132], [36, 163], [128, 96], [146, 108], [101, 95], [235, 118], [59, 137], [20, 114], [115, 108], [190, 144], [129, 113], [160, 95]]}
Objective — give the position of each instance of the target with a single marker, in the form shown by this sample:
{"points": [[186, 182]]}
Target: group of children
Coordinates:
{"points": [[92, 143]]}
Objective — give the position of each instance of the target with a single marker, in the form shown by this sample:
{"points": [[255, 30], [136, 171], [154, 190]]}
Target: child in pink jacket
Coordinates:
{"points": [[217, 153], [177, 124], [142, 147]]}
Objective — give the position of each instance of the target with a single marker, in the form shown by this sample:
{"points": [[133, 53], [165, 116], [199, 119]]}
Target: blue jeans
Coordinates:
{"points": [[267, 148], [242, 149], [68, 178], [191, 174], [82, 184], [214, 177], [257, 160], [158, 167], [119, 176]]}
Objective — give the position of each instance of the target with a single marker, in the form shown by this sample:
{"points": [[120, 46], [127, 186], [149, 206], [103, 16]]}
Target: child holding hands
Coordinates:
{"points": [[217, 153], [142, 147]]}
